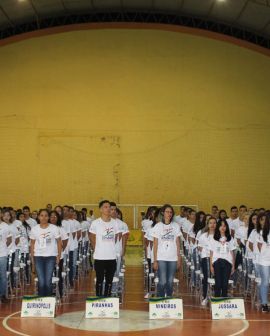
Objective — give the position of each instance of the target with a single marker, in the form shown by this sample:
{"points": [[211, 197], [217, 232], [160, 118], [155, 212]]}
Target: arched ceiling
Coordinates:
{"points": [[244, 19]]}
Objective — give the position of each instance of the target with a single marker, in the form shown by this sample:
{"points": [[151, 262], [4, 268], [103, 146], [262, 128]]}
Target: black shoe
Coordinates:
{"points": [[265, 309]]}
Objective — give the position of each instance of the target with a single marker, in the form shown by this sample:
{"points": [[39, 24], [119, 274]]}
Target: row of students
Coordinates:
{"points": [[221, 242], [53, 238]]}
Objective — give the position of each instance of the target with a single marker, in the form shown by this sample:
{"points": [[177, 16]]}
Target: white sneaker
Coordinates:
{"points": [[204, 302], [146, 296]]}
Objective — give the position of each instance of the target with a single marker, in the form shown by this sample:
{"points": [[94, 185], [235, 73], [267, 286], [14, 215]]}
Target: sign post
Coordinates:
{"points": [[228, 308], [98, 307], [165, 308]]}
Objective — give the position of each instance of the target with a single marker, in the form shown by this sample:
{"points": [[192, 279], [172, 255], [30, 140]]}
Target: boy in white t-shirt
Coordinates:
{"points": [[5, 240], [103, 237]]}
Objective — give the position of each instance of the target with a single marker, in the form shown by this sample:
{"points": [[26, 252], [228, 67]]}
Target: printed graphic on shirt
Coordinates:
{"points": [[108, 235]]}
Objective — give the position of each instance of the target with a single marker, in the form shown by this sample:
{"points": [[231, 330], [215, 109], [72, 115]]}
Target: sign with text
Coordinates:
{"points": [[98, 307], [37, 306], [165, 308], [228, 308]]}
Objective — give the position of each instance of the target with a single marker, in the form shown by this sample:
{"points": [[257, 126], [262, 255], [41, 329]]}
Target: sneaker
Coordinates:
{"points": [[146, 296], [265, 309], [204, 302]]}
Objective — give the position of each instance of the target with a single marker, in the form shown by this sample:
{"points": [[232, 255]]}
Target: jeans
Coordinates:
{"points": [[166, 272], [71, 269], [3, 276], [44, 268], [104, 268], [205, 263], [222, 270], [75, 256], [265, 276], [61, 263]]}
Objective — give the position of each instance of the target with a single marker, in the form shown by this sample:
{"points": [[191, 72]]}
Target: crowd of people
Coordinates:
{"points": [[216, 242], [220, 243], [47, 238]]}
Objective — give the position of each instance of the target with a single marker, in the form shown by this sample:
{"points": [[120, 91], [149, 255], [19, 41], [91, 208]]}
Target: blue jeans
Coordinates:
{"points": [[44, 268], [166, 272], [265, 276], [3, 277]]}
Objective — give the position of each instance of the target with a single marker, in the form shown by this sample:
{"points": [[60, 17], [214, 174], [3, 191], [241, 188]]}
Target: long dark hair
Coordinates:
{"points": [[251, 226], [24, 223], [149, 212], [199, 225], [217, 234], [156, 218], [59, 220], [260, 216], [266, 228], [166, 206]]}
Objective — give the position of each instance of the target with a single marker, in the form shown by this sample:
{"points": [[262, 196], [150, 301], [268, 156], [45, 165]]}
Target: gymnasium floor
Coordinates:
{"points": [[133, 315]]}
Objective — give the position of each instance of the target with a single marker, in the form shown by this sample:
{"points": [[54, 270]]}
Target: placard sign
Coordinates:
{"points": [[165, 308], [37, 306], [228, 308], [97, 307]]}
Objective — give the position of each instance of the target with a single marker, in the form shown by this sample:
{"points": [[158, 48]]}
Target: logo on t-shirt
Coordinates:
{"points": [[168, 235], [108, 234]]}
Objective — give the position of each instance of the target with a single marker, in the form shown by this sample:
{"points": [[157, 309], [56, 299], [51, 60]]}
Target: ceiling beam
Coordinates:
{"points": [[7, 17]]}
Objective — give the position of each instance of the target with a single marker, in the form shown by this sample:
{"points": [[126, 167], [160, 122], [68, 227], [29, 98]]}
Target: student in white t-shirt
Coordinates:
{"points": [[103, 236], [186, 229], [233, 220], [264, 263], [55, 219], [222, 258], [121, 240], [77, 223], [252, 224], [146, 224], [24, 231], [253, 241], [166, 249], [15, 239], [182, 217], [46, 250], [204, 249], [31, 221], [5, 240]]}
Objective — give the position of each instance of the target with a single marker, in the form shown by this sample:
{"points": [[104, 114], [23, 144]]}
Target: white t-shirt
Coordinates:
{"points": [[233, 223], [45, 240], [14, 234], [24, 238], [222, 249], [179, 220], [69, 227], [149, 237], [253, 238], [124, 230], [105, 232], [146, 224], [241, 233], [78, 228], [204, 243], [4, 234], [167, 234], [63, 236], [187, 226], [264, 255], [31, 221], [85, 228]]}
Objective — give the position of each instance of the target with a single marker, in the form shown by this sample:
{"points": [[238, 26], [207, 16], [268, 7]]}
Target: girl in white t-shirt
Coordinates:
{"points": [[264, 263], [55, 219], [203, 246], [45, 250], [252, 223], [222, 258], [146, 225], [253, 241], [166, 251], [5, 240]]}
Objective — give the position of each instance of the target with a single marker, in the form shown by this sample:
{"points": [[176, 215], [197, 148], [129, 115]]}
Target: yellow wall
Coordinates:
{"points": [[138, 116]]}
